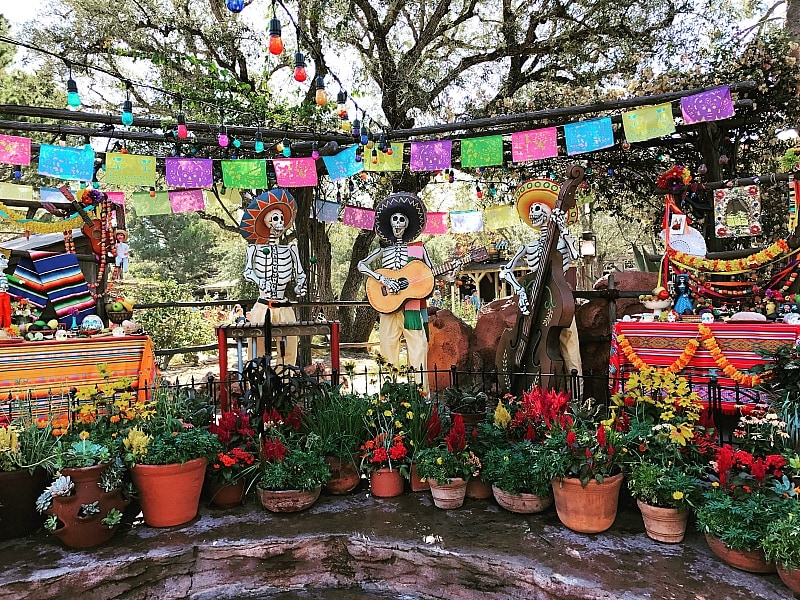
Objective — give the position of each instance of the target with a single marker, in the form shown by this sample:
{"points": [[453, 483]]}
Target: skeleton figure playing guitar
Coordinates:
{"points": [[541, 215]]}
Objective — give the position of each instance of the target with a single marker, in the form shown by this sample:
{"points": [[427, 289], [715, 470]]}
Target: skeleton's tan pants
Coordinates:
{"points": [[283, 314], [391, 329]]}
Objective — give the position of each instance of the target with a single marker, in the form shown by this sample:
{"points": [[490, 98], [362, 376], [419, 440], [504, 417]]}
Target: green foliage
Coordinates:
{"points": [[782, 542], [83, 453], [303, 468], [112, 519], [25, 445], [467, 400], [441, 464], [517, 469], [742, 523], [782, 383], [191, 443], [665, 487], [338, 420]]}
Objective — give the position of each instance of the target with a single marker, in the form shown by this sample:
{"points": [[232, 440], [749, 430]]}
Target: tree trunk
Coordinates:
{"points": [[793, 19], [357, 324], [710, 137], [304, 197]]}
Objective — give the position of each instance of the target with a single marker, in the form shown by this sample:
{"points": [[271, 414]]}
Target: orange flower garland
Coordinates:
{"points": [[723, 363], [676, 367], [738, 265]]}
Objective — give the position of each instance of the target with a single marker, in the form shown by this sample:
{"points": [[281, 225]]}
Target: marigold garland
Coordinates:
{"points": [[680, 363], [738, 265]]}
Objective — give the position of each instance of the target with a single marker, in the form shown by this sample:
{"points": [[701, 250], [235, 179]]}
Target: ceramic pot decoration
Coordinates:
{"points": [[666, 525], [227, 495], [752, 561], [417, 483], [76, 528], [386, 483], [344, 478], [589, 509], [522, 503], [478, 490], [18, 493], [170, 494], [284, 501], [790, 579], [449, 495]]}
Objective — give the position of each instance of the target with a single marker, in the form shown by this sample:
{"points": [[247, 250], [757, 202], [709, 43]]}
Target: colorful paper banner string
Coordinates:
{"points": [[466, 221], [147, 205], [712, 105], [13, 191], [68, 163], [482, 152], [295, 172], [15, 150], [327, 212], [536, 144], [343, 164], [361, 218], [588, 136], [187, 200], [387, 162], [431, 156], [436, 223], [244, 173], [189, 172], [130, 169], [648, 122]]}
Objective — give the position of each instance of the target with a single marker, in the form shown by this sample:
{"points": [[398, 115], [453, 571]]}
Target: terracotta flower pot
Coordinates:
{"points": [[589, 509], [284, 501], [664, 524], [386, 483], [477, 489], [170, 494], [227, 495], [448, 495], [522, 503], [417, 484], [752, 561], [344, 476], [18, 493], [790, 579], [85, 531]]}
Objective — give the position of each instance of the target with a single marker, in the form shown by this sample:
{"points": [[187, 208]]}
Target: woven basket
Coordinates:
{"points": [[119, 317]]}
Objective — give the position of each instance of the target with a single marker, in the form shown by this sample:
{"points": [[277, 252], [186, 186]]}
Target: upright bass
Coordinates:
{"points": [[529, 354]]}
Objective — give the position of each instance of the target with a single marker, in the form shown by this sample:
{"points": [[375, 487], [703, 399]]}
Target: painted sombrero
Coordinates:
{"points": [[543, 191], [408, 204], [254, 226]]}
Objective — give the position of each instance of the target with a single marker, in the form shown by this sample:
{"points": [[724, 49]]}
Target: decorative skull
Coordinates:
{"points": [[539, 214], [274, 220], [399, 223]]}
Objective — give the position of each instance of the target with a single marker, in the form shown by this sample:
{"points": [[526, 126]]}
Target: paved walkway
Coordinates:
{"points": [[394, 548]]}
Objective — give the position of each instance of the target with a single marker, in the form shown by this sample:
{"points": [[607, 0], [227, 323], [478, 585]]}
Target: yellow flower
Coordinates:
{"points": [[501, 416], [398, 424], [387, 413], [84, 435], [410, 415], [677, 495], [439, 460], [8, 440], [715, 484], [369, 412]]}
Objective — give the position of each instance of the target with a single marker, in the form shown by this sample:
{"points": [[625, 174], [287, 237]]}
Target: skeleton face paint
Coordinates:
{"points": [[274, 220], [399, 223], [539, 214]]}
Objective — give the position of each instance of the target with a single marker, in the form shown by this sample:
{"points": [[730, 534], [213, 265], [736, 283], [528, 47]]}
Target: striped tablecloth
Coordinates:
{"points": [[659, 344], [48, 369]]}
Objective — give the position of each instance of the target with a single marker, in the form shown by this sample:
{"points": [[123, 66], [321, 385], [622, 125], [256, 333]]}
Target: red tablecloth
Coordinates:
{"points": [[659, 344]]}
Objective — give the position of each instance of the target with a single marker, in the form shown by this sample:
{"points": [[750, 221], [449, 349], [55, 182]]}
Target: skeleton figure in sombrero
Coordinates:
{"points": [[270, 264], [399, 220], [535, 200]]}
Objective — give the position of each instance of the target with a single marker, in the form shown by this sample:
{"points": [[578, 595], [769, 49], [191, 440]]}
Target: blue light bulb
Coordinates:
{"points": [[259, 146], [235, 5], [287, 151], [127, 113]]}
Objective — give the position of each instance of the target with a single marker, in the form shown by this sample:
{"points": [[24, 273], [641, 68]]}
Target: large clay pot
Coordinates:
{"points": [[664, 524], [589, 509], [477, 489], [790, 579], [448, 495], [85, 531], [752, 561], [283, 501], [418, 484], [344, 478], [386, 483], [227, 495], [18, 493], [170, 494], [522, 503]]}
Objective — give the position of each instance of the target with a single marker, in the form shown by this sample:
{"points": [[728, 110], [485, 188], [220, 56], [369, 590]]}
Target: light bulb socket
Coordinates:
{"points": [[341, 97], [127, 106], [299, 60], [181, 119], [319, 82], [72, 87], [274, 27]]}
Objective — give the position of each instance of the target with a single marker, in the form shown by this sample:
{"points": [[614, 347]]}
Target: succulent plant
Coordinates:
{"points": [[44, 501], [87, 510], [62, 486], [111, 477]]}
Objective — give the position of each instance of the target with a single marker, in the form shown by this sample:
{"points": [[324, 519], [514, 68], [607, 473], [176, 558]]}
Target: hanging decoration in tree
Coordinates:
{"points": [[737, 212]]}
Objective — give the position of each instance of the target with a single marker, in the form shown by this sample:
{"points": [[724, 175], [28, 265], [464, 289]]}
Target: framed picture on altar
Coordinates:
{"points": [[677, 225]]}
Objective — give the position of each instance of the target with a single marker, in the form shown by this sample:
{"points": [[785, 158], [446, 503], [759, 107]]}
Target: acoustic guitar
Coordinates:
{"points": [[415, 279]]}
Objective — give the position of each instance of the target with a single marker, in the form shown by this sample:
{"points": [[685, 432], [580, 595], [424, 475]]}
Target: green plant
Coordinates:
{"points": [[782, 542], [517, 469], [468, 400], [298, 467], [741, 523], [27, 444], [449, 460], [665, 487], [338, 420], [781, 381], [237, 459], [112, 519], [83, 453]]}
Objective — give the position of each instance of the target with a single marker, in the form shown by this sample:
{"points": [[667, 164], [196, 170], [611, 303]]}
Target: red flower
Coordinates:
{"points": [[457, 438], [572, 439], [273, 449], [601, 435], [434, 427]]}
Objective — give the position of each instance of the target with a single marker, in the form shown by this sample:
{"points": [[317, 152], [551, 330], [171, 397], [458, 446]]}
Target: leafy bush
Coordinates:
{"points": [[741, 524], [782, 543], [665, 487], [519, 469]]}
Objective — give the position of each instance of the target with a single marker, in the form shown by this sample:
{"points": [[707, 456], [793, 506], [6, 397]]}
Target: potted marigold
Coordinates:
{"points": [[448, 466], [235, 467]]}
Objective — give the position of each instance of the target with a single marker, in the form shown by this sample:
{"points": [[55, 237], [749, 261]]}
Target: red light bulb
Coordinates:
{"points": [[275, 45]]}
